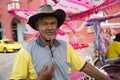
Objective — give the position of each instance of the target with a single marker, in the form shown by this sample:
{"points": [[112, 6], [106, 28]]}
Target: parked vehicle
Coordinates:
{"points": [[7, 45]]}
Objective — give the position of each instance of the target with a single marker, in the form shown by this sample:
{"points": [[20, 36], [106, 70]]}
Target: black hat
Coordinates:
{"points": [[117, 37], [46, 10]]}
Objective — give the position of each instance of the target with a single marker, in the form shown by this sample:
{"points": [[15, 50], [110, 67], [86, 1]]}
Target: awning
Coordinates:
{"points": [[105, 17], [22, 14], [75, 9], [110, 25]]}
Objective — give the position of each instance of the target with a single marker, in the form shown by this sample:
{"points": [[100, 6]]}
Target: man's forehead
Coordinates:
{"points": [[47, 17]]}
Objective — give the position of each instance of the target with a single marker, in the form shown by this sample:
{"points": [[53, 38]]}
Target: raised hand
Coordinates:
{"points": [[47, 72]]}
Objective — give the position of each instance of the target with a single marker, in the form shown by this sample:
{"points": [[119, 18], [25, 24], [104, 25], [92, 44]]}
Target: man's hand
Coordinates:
{"points": [[47, 72]]}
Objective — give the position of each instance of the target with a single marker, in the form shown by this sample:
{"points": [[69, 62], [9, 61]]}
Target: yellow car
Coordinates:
{"points": [[7, 45]]}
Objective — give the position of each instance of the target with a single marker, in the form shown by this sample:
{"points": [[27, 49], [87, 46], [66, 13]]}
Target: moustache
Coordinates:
{"points": [[50, 31]]}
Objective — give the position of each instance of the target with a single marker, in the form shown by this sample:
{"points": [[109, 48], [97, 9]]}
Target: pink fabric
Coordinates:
{"points": [[23, 14], [77, 5], [105, 17], [70, 10], [80, 9], [61, 32], [94, 10], [75, 75], [77, 45], [55, 1], [86, 3]]}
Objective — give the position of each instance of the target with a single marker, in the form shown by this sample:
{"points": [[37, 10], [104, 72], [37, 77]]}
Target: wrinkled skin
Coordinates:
{"points": [[47, 27]]}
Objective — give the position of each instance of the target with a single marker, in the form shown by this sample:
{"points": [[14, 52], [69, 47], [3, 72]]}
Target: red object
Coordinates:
{"points": [[59, 31], [77, 45], [87, 2]]}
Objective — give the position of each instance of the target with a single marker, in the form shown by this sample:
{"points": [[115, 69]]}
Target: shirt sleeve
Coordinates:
{"points": [[77, 61], [23, 68]]}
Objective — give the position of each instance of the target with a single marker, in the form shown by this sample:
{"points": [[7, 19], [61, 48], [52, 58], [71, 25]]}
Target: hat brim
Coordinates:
{"points": [[59, 14]]}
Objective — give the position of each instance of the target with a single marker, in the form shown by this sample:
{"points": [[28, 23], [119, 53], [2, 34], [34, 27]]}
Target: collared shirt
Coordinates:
{"points": [[30, 60]]}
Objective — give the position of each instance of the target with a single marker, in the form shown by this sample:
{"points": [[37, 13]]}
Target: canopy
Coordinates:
{"points": [[75, 9], [105, 17]]}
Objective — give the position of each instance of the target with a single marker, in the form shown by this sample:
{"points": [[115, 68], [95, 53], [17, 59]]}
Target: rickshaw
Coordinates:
{"points": [[110, 66]]}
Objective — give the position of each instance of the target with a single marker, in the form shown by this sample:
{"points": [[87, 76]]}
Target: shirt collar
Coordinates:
{"points": [[40, 43]]}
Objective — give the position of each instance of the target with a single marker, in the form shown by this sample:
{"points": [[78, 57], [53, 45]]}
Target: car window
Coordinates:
{"points": [[8, 42]]}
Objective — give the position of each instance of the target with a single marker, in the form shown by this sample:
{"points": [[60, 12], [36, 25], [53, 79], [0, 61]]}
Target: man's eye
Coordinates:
{"points": [[44, 24], [53, 23]]}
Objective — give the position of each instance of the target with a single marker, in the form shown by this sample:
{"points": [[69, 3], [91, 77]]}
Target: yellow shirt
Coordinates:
{"points": [[24, 69], [113, 50]]}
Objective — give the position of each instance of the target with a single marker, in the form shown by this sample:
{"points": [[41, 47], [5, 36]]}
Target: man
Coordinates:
{"points": [[47, 58], [113, 50]]}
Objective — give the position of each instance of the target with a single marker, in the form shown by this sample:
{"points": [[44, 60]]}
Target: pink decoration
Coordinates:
{"points": [[78, 10], [77, 6], [76, 75], [72, 26], [30, 30], [105, 17], [59, 31], [22, 14], [77, 45], [55, 1], [87, 13]]}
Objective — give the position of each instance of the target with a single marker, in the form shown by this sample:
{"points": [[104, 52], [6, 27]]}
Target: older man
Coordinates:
{"points": [[47, 58]]}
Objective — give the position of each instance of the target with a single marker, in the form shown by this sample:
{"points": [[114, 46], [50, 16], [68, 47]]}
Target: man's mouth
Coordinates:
{"points": [[50, 33]]}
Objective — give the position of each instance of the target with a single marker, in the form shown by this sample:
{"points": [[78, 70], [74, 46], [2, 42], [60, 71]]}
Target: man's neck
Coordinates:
{"points": [[47, 42]]}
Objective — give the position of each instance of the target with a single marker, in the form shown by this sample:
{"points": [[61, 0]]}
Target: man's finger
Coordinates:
{"points": [[45, 67], [52, 67]]}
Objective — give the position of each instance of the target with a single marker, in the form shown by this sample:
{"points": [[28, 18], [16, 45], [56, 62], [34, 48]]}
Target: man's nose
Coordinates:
{"points": [[50, 26]]}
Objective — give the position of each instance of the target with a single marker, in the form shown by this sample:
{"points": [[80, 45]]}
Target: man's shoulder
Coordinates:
{"points": [[61, 42], [30, 44]]}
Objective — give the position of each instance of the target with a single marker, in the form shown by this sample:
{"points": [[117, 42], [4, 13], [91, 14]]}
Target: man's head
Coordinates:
{"points": [[47, 21], [46, 10], [47, 27]]}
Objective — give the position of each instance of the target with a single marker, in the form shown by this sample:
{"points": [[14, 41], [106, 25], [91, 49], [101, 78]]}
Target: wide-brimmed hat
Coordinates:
{"points": [[117, 37], [46, 10]]}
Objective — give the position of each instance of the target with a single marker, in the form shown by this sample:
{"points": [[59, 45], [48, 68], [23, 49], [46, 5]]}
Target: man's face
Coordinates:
{"points": [[47, 27]]}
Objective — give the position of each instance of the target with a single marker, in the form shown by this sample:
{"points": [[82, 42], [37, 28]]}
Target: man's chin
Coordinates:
{"points": [[49, 39]]}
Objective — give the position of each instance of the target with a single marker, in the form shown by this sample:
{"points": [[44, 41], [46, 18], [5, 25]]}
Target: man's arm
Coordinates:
{"points": [[93, 72]]}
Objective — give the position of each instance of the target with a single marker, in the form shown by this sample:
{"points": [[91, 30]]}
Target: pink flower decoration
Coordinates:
{"points": [[59, 31]]}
